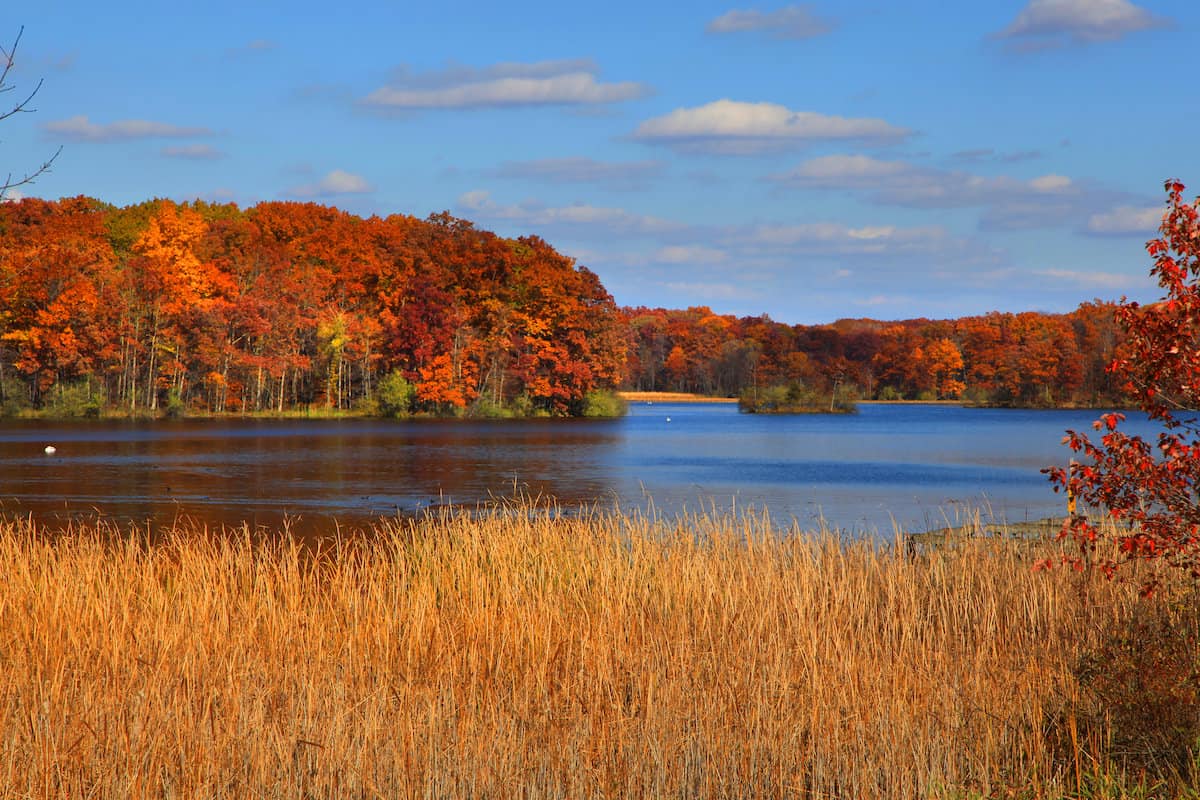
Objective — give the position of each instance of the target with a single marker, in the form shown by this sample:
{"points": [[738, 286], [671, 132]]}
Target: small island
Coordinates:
{"points": [[795, 398]]}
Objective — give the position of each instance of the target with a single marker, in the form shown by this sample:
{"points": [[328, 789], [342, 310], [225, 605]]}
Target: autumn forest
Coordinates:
{"points": [[163, 308]]}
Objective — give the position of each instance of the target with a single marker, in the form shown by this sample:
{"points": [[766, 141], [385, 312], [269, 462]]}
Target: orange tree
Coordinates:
{"points": [[1152, 487]]}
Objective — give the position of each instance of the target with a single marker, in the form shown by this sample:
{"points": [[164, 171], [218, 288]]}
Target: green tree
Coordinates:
{"points": [[395, 395]]}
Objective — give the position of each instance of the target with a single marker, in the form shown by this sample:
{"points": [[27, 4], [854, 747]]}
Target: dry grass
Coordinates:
{"points": [[519, 654], [673, 397]]}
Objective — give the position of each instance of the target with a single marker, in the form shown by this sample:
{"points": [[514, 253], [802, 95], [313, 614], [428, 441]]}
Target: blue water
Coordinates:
{"points": [[912, 466]]}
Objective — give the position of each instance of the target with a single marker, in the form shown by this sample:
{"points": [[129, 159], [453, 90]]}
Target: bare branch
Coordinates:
{"points": [[21, 106], [10, 183], [7, 59]]}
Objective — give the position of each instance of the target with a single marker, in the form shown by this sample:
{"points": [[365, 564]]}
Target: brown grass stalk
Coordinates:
{"points": [[523, 653]]}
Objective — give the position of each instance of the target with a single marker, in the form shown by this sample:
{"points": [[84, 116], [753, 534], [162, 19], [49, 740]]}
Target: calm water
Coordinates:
{"points": [[918, 466]]}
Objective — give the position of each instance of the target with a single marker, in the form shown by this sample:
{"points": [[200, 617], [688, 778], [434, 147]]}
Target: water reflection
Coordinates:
{"points": [[262, 472], [915, 466]]}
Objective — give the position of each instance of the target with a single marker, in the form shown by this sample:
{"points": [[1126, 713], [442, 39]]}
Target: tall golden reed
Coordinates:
{"points": [[519, 653]]}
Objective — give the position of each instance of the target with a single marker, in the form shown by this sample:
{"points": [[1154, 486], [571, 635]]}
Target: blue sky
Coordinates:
{"points": [[810, 161]]}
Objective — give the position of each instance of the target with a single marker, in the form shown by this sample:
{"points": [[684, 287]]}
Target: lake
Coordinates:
{"points": [[916, 466]]}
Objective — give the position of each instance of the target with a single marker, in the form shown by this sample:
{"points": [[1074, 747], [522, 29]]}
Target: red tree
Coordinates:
{"points": [[1151, 487]]}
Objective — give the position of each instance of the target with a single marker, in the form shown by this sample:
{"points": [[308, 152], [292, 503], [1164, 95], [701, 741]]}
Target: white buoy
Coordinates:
{"points": [[51, 449], [668, 419]]}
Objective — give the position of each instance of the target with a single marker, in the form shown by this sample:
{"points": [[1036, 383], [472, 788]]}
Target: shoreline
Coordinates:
{"points": [[912, 403], [346, 413], [672, 397]]}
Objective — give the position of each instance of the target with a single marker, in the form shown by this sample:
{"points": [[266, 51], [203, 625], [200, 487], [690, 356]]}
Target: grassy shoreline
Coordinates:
{"points": [[673, 397], [323, 413], [525, 654]]}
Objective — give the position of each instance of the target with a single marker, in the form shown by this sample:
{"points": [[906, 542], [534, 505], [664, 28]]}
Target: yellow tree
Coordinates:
{"points": [[177, 287], [944, 363]]}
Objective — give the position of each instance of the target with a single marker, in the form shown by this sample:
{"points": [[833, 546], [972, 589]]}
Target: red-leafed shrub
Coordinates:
{"points": [[1150, 488]]}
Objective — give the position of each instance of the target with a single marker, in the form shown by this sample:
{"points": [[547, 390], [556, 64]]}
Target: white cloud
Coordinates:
{"points": [[457, 74], [1051, 183], [11, 196], [600, 220], [789, 22], [581, 170], [690, 254], [342, 182], [1008, 203], [1125, 221], [876, 300], [840, 171], [905, 183], [81, 129], [1098, 281], [834, 238], [334, 183], [800, 258], [571, 82], [198, 152], [477, 200], [576, 88], [684, 244], [729, 126], [1049, 23], [869, 232]]}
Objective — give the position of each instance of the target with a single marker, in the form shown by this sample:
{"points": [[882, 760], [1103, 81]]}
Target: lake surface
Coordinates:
{"points": [[916, 466]]}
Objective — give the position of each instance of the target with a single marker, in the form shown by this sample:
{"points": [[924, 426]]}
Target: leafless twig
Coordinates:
{"points": [[7, 59]]}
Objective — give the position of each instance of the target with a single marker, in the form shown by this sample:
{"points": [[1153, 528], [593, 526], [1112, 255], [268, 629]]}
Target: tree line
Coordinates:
{"points": [[167, 306], [164, 307], [1027, 359]]}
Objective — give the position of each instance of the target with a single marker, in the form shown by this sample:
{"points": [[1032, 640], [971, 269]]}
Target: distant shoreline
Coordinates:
{"points": [[685, 397], [672, 397], [910, 402]]}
